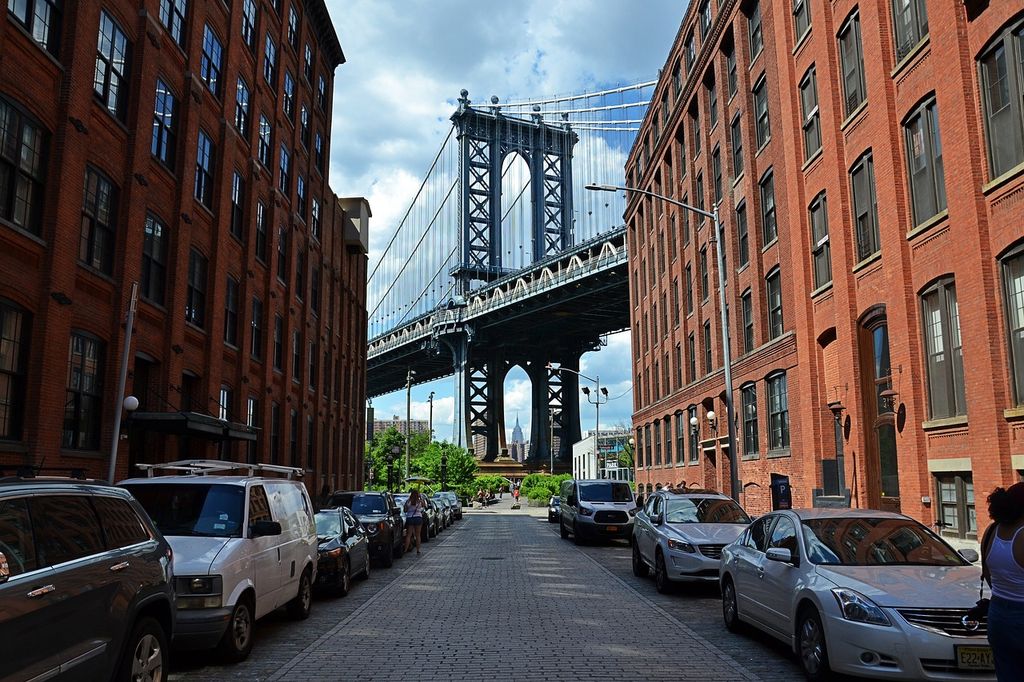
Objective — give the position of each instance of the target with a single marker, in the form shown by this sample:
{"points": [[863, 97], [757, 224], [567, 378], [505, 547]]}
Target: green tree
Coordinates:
{"points": [[380, 448], [461, 466]]}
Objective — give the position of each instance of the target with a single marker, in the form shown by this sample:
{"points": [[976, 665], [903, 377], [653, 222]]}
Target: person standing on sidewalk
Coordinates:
{"points": [[413, 508], [1002, 547]]}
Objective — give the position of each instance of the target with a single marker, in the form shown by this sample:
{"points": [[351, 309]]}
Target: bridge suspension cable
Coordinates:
{"points": [[585, 95]]}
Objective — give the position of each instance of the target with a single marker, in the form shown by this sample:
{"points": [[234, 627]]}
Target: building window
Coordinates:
{"points": [[195, 298], [261, 232], [42, 20], [99, 211], [754, 31], [307, 64], [242, 109], [852, 58], [300, 271], [300, 197], [879, 416], [304, 126], [264, 145], [110, 80], [154, 260], [773, 287], [749, 401], [691, 419], [296, 357], [225, 401], [15, 326], [705, 19], [270, 61], [313, 357], [730, 70], [769, 225], [778, 412], [321, 93], [172, 16], [314, 290], [204, 170], [747, 309], [256, 328], [705, 290], [801, 17], [278, 342], [820, 251], [289, 96], [716, 174], [910, 20], [688, 288], [249, 24], [285, 174], [210, 65], [762, 126], [83, 406], [314, 219], [742, 234], [165, 125], [657, 442], [318, 152], [812, 120], [22, 155], [691, 52], [943, 351], [736, 133], [666, 425], [293, 27], [1002, 77], [691, 348], [237, 205], [712, 105], [231, 312], [282, 254], [252, 420], [865, 209], [680, 377], [924, 161], [708, 365], [1013, 291], [957, 517], [697, 133], [680, 438]]}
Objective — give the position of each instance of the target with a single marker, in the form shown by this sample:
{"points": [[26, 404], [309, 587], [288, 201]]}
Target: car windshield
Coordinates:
{"points": [[361, 504], [193, 509], [866, 541], [606, 492], [328, 524], [705, 510], [400, 499]]}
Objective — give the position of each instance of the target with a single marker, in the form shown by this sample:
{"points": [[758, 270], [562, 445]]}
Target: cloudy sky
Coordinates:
{"points": [[406, 63]]}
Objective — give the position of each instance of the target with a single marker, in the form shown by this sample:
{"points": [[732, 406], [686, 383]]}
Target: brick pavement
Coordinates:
{"points": [[502, 595]]}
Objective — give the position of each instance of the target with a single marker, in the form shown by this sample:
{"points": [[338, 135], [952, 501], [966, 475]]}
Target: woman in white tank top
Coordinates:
{"points": [[1003, 549]]}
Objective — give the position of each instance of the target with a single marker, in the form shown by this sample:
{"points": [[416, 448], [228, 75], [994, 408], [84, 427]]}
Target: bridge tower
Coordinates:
{"points": [[485, 139]]}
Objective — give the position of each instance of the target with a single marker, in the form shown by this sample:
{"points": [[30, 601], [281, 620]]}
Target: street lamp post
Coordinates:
{"points": [[430, 418], [719, 238], [408, 416]]}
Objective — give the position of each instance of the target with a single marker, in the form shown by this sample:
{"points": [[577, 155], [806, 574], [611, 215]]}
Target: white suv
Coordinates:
{"points": [[244, 545]]}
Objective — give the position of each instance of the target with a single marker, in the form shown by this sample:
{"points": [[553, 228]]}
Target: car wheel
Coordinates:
{"points": [[576, 539], [302, 604], [811, 646], [345, 578], [236, 643], [639, 567], [365, 573], [661, 581], [562, 531], [146, 656], [730, 606]]}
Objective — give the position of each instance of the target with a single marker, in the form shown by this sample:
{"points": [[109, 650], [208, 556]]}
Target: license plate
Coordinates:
{"points": [[974, 658], [611, 529]]}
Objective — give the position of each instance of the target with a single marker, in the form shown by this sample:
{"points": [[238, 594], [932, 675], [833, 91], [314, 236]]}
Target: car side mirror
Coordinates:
{"points": [[780, 554], [969, 554], [5, 569], [264, 528]]}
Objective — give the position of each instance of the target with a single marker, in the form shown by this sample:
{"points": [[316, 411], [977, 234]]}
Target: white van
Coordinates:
{"points": [[243, 546]]}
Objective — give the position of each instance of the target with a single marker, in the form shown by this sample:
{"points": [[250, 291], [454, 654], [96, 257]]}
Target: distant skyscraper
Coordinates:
{"points": [[517, 446]]}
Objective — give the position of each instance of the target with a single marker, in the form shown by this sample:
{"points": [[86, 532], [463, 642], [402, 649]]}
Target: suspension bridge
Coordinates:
{"points": [[503, 259]]}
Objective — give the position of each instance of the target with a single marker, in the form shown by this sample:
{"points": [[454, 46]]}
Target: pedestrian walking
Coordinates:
{"points": [[515, 494], [413, 508], [1002, 551]]}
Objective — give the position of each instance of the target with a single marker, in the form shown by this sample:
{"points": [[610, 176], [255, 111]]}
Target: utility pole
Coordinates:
{"points": [[123, 403], [430, 422], [408, 416]]}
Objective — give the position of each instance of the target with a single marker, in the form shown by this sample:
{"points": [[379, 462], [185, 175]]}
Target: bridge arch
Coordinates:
{"points": [[516, 241]]}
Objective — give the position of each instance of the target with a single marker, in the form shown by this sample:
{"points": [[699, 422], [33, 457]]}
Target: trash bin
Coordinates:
{"points": [[782, 494]]}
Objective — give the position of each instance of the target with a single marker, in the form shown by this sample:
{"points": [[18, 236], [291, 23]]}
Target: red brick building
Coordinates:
{"points": [[182, 145], [866, 159]]}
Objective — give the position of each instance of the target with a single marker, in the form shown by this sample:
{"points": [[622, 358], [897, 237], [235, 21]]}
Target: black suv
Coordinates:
{"points": [[381, 518], [85, 582]]}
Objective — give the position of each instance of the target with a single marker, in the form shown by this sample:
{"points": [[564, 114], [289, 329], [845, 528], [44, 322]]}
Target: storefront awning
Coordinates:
{"points": [[192, 424]]}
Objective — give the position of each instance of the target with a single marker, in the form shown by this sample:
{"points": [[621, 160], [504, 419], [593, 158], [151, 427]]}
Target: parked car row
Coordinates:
{"points": [[851, 591], [188, 556]]}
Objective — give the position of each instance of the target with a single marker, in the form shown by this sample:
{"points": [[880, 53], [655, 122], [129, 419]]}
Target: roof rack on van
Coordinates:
{"points": [[202, 467]]}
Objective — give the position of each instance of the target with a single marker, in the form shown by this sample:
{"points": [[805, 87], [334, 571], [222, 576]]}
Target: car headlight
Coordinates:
{"points": [[681, 546], [336, 552], [586, 511], [371, 528], [198, 591], [856, 607]]}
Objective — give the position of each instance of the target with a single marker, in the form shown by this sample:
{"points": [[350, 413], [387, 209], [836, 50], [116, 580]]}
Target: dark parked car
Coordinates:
{"points": [[554, 508], [444, 509], [85, 582], [381, 517], [344, 550], [454, 502]]}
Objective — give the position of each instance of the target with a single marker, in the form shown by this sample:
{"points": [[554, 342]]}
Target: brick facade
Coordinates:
{"points": [[826, 343], [59, 284]]}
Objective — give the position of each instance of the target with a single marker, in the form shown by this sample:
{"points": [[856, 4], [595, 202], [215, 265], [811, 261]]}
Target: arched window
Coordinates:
{"points": [[879, 415]]}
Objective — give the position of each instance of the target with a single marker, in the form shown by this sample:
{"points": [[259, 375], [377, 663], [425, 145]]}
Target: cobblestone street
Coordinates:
{"points": [[501, 594]]}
